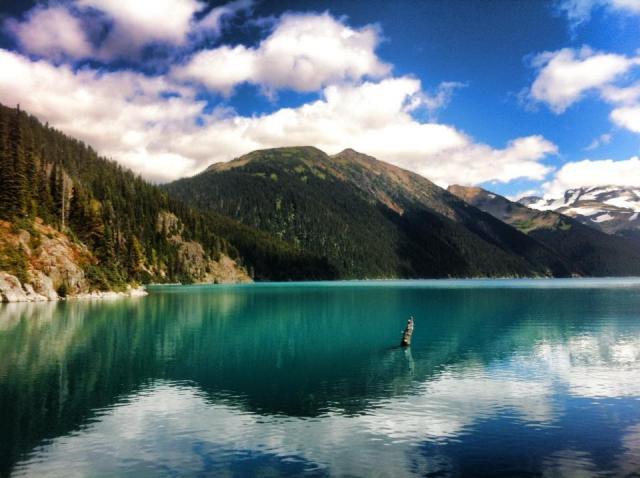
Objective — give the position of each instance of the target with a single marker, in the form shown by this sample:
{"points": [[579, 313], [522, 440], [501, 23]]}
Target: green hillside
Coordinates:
{"points": [[134, 229], [369, 218]]}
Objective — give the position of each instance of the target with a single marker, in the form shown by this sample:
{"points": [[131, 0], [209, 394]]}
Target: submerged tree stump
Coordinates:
{"points": [[408, 332]]}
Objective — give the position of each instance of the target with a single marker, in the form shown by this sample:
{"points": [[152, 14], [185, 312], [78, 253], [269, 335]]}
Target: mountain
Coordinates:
{"points": [[368, 218], [589, 251], [612, 209], [72, 222]]}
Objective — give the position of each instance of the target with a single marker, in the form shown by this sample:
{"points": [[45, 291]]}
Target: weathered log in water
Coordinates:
{"points": [[408, 332]]}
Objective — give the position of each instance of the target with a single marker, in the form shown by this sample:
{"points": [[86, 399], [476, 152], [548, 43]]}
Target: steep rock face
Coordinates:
{"points": [[44, 261], [586, 250], [39, 263], [61, 261], [11, 290], [194, 261], [44, 285], [611, 209]]}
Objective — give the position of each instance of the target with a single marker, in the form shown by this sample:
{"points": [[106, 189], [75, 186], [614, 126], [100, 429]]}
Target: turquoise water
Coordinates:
{"points": [[504, 378]]}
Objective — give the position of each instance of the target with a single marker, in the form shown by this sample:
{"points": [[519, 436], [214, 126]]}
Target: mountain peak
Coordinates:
{"points": [[468, 193], [610, 208], [350, 154], [347, 151], [270, 154]]}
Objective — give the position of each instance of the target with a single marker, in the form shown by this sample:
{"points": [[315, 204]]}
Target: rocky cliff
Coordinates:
{"points": [[195, 262], [37, 262], [40, 263]]}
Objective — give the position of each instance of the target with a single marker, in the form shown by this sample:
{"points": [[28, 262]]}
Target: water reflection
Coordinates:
{"points": [[288, 381]]}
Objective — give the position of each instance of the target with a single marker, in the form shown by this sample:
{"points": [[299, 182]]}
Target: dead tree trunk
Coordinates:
{"points": [[408, 332]]}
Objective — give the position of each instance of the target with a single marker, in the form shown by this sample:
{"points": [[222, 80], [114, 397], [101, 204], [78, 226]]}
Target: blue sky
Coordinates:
{"points": [[517, 96]]}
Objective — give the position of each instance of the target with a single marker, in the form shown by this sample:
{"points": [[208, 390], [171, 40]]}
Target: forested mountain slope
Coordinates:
{"points": [[132, 230], [590, 251], [369, 218]]}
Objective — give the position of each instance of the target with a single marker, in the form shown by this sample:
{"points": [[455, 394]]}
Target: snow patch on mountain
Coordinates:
{"points": [[624, 203], [609, 208], [602, 218]]}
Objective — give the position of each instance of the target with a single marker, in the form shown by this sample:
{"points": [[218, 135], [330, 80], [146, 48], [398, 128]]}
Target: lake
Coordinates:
{"points": [[504, 378]]}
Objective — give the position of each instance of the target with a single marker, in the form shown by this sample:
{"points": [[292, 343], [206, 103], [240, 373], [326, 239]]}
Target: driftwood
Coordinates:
{"points": [[408, 332]]}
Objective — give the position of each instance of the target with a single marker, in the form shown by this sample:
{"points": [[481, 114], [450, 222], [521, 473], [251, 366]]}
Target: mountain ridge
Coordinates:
{"points": [[292, 213], [591, 251], [51, 184], [609, 208], [407, 211]]}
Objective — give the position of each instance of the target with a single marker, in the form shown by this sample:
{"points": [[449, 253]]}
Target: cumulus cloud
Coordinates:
{"points": [[211, 24], [51, 32], [626, 114], [305, 52], [119, 29], [159, 129], [135, 24], [564, 76], [628, 117], [579, 11], [122, 114], [628, 94], [374, 118], [594, 173]]}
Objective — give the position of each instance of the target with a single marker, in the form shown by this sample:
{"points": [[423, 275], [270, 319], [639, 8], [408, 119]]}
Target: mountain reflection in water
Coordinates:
{"points": [[296, 379]]}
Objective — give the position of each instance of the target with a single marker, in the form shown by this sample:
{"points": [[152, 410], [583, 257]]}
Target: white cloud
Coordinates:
{"points": [[375, 118], [523, 194], [141, 22], [122, 114], [564, 76], [220, 69], [130, 117], [51, 32], [579, 11], [305, 52], [627, 117], [594, 173], [626, 95], [211, 24], [626, 114], [441, 97], [57, 32], [604, 138]]}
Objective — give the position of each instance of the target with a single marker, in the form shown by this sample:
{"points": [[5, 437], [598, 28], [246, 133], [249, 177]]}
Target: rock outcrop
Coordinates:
{"points": [[11, 290], [195, 262], [38, 263]]}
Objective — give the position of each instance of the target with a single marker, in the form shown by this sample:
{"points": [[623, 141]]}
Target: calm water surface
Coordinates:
{"points": [[504, 378]]}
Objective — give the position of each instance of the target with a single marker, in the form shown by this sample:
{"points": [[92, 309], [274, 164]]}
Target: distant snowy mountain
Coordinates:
{"points": [[612, 209]]}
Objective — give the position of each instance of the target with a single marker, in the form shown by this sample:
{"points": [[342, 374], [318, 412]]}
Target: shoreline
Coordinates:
{"points": [[13, 291], [24, 293], [471, 282], [109, 294]]}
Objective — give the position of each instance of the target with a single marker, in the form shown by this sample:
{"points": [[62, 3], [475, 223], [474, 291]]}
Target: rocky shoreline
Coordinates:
{"points": [[12, 290]]}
